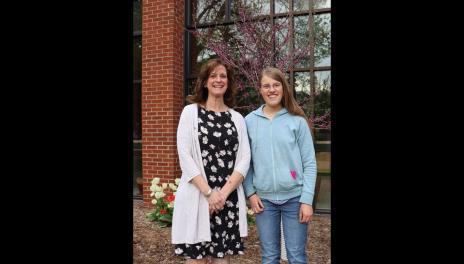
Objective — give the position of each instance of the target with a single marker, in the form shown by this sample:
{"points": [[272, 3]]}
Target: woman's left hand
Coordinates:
{"points": [[306, 213]]}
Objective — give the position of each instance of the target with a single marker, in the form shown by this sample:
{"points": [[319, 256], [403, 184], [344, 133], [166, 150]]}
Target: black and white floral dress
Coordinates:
{"points": [[219, 144]]}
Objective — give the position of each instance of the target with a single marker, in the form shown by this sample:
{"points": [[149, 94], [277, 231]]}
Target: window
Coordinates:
{"points": [[308, 45]]}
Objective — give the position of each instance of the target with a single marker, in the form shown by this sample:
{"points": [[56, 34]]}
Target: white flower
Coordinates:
{"points": [[210, 124], [250, 212], [227, 125], [203, 130], [212, 178], [222, 152], [230, 164], [205, 162], [233, 128], [217, 134], [210, 158], [220, 179], [212, 146], [229, 203], [205, 140], [232, 237], [173, 186], [153, 201], [236, 147], [204, 153], [218, 125], [165, 185], [230, 252], [179, 251], [155, 180], [230, 224], [153, 187], [210, 117], [220, 255], [226, 142], [218, 220], [159, 188], [220, 163], [177, 180], [213, 169], [229, 153], [229, 132], [159, 195], [152, 194]]}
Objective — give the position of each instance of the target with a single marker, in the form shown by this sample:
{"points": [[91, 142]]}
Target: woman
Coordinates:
{"points": [[209, 216], [281, 179]]}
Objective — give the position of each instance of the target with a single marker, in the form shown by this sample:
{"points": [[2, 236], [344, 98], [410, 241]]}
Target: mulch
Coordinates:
{"points": [[152, 244]]}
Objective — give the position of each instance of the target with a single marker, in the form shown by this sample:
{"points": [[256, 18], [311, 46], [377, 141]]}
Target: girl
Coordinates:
{"points": [[281, 178]]}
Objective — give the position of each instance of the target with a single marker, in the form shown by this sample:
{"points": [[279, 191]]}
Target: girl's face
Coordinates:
{"points": [[217, 82], [271, 91]]}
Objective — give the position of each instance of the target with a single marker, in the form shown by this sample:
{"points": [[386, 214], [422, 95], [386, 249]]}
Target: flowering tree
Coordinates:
{"points": [[254, 42]]}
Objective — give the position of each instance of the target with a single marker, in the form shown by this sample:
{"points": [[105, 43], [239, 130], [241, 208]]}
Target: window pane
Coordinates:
{"points": [[323, 197], [137, 58], [137, 169], [323, 136], [137, 113], [322, 4], [300, 5], [302, 89], [207, 11], [302, 50], [282, 43], [281, 6], [322, 97], [322, 33], [257, 8], [137, 17]]}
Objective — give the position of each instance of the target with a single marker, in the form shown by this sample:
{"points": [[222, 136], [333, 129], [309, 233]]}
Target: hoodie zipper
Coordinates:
{"points": [[273, 163]]}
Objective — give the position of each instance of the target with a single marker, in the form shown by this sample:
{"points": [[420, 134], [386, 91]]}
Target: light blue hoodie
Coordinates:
{"points": [[283, 162]]}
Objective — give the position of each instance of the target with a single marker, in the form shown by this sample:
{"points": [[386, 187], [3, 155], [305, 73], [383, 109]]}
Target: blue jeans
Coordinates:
{"points": [[295, 233]]}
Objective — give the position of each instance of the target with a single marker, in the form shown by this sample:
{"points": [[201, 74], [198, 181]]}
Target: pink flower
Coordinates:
{"points": [[293, 173]]}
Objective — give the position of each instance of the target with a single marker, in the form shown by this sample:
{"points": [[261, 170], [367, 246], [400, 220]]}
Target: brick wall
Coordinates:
{"points": [[162, 89]]}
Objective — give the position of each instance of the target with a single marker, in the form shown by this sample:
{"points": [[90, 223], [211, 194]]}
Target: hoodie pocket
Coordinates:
{"points": [[288, 179]]}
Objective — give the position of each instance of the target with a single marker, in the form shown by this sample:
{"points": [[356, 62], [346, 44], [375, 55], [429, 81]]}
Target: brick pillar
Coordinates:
{"points": [[162, 89]]}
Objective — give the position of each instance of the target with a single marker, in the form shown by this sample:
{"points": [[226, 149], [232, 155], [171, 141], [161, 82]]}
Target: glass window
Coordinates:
{"points": [[208, 11], [137, 172], [300, 5], [323, 197], [322, 4], [137, 15], [322, 99], [302, 50], [281, 6], [322, 34], [302, 89], [137, 112], [137, 58], [258, 8]]}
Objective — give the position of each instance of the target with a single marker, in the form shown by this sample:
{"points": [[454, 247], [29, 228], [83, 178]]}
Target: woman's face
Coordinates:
{"points": [[271, 91], [217, 82]]}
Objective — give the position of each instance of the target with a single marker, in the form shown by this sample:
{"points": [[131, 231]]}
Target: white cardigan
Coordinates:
{"points": [[190, 222]]}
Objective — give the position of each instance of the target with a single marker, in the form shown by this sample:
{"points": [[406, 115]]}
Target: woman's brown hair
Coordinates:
{"points": [[200, 92], [288, 101]]}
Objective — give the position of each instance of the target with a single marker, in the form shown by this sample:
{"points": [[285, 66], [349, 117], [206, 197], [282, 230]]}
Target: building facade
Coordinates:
{"points": [[167, 57]]}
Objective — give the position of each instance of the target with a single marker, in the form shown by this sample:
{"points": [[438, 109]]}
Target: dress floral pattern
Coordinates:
{"points": [[219, 144]]}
